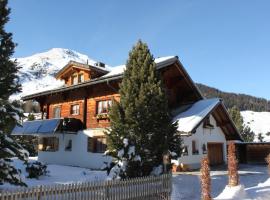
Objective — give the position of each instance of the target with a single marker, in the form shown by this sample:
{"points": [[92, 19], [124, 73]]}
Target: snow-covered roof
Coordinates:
{"points": [[189, 119], [121, 68]]}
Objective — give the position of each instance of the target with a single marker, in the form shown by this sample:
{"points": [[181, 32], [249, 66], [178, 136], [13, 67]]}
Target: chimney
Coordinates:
{"points": [[100, 64]]}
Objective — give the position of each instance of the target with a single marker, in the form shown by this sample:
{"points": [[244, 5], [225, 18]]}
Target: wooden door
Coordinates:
{"points": [[215, 153]]}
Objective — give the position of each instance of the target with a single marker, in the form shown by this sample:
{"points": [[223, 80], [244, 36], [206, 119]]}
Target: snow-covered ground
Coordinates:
{"points": [[59, 174], [254, 179], [259, 122]]}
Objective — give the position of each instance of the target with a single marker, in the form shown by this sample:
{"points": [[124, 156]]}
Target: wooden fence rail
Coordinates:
{"points": [[145, 188]]}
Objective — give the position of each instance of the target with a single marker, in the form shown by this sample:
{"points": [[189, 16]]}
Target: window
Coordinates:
{"points": [[80, 78], [75, 109], [204, 149], [185, 151], [57, 112], [74, 79], [68, 146], [48, 144], [195, 150], [207, 123], [96, 144], [103, 106]]}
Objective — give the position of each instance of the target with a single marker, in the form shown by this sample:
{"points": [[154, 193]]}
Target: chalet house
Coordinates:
{"points": [[75, 116]]}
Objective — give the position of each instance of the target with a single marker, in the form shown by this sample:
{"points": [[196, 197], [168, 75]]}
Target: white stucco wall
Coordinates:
{"points": [[78, 156], [202, 136]]}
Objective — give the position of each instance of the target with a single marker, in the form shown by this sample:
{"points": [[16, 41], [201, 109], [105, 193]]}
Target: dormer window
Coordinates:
{"points": [[207, 123], [80, 78]]}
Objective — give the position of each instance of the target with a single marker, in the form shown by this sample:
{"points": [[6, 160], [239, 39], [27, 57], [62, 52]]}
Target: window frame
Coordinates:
{"points": [[80, 78], [45, 142], [104, 109], [73, 78], [97, 144], [60, 110], [195, 149], [77, 110], [68, 145]]}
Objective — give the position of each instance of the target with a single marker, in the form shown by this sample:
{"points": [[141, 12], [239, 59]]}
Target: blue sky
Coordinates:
{"points": [[221, 43]]}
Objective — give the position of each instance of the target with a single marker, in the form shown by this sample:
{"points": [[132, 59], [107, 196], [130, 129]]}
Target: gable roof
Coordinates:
{"points": [[116, 74], [191, 118], [82, 66]]}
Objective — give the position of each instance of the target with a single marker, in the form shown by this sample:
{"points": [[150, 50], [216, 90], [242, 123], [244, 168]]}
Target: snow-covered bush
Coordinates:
{"points": [[125, 158], [36, 169]]}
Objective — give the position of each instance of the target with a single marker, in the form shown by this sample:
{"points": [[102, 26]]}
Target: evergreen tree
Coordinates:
{"points": [[141, 126], [260, 137], [9, 112], [247, 134], [237, 118]]}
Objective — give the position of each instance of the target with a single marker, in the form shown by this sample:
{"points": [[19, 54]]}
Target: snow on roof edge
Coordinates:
{"points": [[190, 118], [120, 68]]}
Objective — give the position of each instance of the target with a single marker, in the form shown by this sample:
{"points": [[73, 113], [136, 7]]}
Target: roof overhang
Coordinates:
{"points": [[48, 126], [79, 66], [191, 118], [160, 64]]}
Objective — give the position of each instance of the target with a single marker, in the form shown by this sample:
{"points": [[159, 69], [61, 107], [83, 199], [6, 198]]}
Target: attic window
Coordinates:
{"points": [[74, 79], [80, 78], [207, 123]]}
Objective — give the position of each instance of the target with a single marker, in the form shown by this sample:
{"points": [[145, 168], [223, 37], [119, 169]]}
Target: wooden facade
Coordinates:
{"points": [[179, 87], [253, 152]]}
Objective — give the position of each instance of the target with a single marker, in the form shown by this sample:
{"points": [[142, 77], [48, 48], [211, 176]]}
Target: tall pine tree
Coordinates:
{"points": [[141, 125], [8, 110]]}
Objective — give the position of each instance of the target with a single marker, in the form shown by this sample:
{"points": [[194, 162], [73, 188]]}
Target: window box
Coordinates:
{"points": [[102, 116]]}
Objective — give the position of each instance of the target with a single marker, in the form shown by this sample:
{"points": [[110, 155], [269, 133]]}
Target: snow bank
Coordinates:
{"points": [[232, 193]]}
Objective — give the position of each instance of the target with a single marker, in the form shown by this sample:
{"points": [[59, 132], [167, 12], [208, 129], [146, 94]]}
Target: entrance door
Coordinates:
{"points": [[215, 153]]}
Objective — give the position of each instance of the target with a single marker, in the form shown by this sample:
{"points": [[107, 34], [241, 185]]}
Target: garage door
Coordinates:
{"points": [[215, 153]]}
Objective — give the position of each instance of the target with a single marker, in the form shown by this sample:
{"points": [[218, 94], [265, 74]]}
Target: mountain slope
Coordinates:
{"points": [[242, 101], [37, 71], [259, 122]]}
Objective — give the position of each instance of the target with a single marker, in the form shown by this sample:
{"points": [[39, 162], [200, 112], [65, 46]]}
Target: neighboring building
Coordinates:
{"points": [[75, 116]]}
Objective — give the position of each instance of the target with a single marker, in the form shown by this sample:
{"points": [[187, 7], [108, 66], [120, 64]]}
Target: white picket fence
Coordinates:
{"points": [[145, 188]]}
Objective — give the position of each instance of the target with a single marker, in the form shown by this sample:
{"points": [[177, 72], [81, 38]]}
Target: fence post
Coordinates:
{"points": [[39, 194]]}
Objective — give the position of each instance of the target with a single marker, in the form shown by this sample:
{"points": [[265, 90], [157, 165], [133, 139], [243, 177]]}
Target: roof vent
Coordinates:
{"points": [[100, 64]]}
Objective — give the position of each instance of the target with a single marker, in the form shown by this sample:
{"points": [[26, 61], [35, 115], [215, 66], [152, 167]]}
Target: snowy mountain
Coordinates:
{"points": [[259, 122], [37, 71]]}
